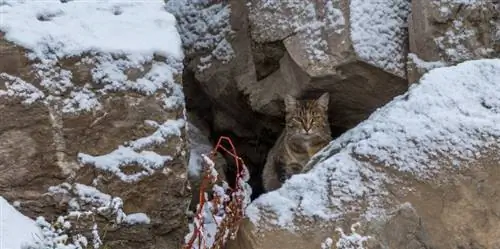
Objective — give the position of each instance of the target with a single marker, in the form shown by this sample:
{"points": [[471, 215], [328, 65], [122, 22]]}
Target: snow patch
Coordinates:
{"points": [[126, 46], [124, 156], [379, 32], [81, 100], [311, 21], [452, 114], [204, 27], [56, 28], [15, 229], [425, 65], [56, 235], [134, 153], [351, 241], [16, 87], [346, 241], [165, 130], [459, 41], [88, 200], [137, 218], [218, 216], [91, 195]]}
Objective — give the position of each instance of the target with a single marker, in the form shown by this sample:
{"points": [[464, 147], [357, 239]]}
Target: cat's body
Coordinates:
{"points": [[306, 132]]}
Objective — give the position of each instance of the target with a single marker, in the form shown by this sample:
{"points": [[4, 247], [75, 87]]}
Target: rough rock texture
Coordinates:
{"points": [[464, 211], [420, 172], [41, 146], [198, 134], [266, 49], [297, 71], [448, 32]]}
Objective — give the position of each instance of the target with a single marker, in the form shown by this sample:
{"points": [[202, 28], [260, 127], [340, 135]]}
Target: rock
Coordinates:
{"points": [[270, 23], [354, 94], [45, 143], [276, 51], [322, 36], [400, 179], [90, 127], [199, 145], [450, 32]]}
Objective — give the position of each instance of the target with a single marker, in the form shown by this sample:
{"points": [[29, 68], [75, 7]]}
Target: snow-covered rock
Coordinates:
{"points": [[320, 35], [16, 229], [433, 147], [199, 145], [451, 31], [302, 48], [90, 94]]}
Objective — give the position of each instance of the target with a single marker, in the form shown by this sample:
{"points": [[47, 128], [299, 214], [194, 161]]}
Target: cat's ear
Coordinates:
{"points": [[323, 101], [290, 103]]}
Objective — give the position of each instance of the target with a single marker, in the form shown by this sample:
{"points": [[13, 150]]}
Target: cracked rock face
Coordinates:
{"points": [[450, 32], [302, 48], [128, 144], [397, 180], [461, 213]]}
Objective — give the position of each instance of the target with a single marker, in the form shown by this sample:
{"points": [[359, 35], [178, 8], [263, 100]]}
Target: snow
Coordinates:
{"points": [[378, 32], [351, 241], [311, 21], [137, 218], [425, 65], [204, 27], [110, 38], [451, 114], [91, 195], [462, 39], [378, 28], [327, 244], [464, 1], [124, 156], [213, 215], [346, 241], [81, 100], [165, 130], [84, 195], [74, 27], [135, 152], [124, 46], [20, 88], [15, 229]]}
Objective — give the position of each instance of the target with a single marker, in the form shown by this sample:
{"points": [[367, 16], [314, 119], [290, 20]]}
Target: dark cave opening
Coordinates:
{"points": [[253, 136]]}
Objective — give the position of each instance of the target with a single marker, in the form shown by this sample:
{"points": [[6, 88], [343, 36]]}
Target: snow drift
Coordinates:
{"points": [[15, 228]]}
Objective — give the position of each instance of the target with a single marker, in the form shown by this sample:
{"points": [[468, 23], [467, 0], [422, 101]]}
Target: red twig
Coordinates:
{"points": [[233, 219]]}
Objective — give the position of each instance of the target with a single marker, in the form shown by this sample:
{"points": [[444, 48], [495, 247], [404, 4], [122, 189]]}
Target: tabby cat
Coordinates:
{"points": [[307, 131]]}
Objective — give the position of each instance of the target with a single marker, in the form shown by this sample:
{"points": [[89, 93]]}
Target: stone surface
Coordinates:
{"points": [[464, 210], [296, 70], [449, 32], [41, 142], [399, 174], [199, 144], [273, 54], [321, 35]]}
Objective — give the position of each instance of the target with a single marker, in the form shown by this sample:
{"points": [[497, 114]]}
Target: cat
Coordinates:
{"points": [[307, 131]]}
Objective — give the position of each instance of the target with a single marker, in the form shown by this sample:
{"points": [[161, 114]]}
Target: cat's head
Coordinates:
{"points": [[307, 117]]}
